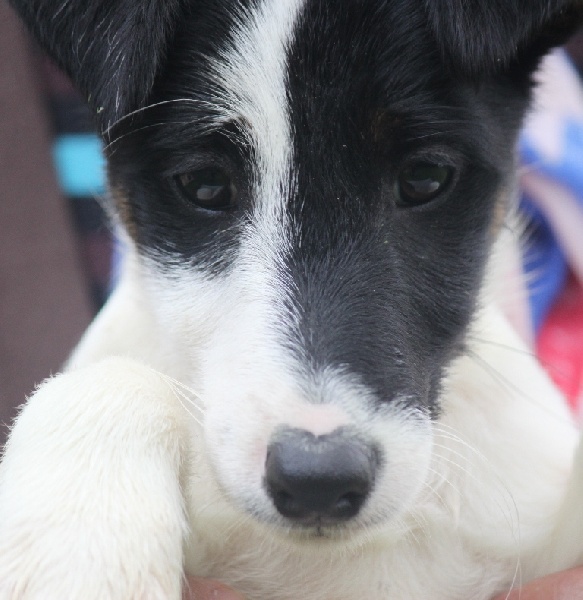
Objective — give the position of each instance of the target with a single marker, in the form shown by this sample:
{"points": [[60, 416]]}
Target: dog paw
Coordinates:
{"points": [[40, 580], [90, 498]]}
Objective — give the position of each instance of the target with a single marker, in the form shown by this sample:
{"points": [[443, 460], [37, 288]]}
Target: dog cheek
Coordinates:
{"points": [[406, 443]]}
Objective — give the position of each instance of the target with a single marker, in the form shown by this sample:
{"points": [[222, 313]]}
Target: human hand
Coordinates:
{"points": [[566, 585], [208, 589]]}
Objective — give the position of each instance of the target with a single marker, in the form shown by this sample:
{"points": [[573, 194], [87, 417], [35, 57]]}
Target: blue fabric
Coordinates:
{"points": [[569, 168], [80, 164], [545, 264]]}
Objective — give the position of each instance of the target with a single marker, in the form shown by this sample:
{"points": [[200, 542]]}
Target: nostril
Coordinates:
{"points": [[349, 502], [287, 505], [319, 479]]}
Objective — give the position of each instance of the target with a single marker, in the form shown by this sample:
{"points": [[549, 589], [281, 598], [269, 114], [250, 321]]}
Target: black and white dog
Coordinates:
{"points": [[303, 385]]}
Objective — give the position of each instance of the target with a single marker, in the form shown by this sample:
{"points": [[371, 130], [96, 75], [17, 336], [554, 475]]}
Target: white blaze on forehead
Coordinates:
{"points": [[252, 79], [250, 87]]}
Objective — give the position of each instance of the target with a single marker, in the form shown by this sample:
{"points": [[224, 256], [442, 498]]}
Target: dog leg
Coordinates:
{"points": [[90, 496]]}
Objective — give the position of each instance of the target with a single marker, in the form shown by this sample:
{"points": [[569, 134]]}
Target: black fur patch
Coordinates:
{"points": [[112, 49], [387, 292], [176, 135], [475, 38], [382, 291]]}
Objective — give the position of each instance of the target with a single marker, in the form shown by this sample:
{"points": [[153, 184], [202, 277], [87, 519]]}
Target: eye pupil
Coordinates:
{"points": [[421, 182], [209, 188]]}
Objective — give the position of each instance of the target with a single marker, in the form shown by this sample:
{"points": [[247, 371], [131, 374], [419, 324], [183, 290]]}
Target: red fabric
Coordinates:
{"points": [[560, 343]]}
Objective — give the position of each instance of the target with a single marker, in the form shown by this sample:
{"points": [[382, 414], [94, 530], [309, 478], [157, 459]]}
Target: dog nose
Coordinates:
{"points": [[319, 480]]}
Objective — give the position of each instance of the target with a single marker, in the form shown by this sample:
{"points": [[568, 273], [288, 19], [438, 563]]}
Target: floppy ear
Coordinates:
{"points": [[480, 37], [111, 49]]}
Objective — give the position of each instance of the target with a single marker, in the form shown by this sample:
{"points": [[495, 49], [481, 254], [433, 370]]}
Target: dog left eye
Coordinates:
{"points": [[209, 188], [421, 182]]}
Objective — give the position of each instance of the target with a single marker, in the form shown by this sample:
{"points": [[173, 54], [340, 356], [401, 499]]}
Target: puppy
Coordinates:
{"points": [[303, 385]]}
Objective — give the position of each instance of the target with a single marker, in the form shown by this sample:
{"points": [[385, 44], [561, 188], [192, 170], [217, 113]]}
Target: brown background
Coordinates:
{"points": [[43, 299]]}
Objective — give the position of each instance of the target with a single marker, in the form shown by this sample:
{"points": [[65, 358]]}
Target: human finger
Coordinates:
{"points": [[566, 585], [208, 589]]}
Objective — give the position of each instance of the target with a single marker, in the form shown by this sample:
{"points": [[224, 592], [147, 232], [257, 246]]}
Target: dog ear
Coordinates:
{"points": [[111, 49], [481, 37]]}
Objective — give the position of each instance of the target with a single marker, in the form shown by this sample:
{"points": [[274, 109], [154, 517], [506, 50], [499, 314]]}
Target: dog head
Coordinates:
{"points": [[313, 189]]}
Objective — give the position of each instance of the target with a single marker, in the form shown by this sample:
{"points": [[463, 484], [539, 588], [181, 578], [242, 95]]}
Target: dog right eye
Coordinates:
{"points": [[210, 188], [421, 182]]}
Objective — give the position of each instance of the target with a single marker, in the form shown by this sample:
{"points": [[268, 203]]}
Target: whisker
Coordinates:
{"points": [[180, 397], [183, 396], [231, 530], [443, 480], [433, 134], [413, 533], [516, 579], [183, 386], [509, 507], [179, 390], [521, 351], [111, 143], [106, 131], [506, 384]]}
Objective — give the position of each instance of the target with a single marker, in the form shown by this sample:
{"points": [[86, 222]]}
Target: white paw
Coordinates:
{"points": [[90, 495]]}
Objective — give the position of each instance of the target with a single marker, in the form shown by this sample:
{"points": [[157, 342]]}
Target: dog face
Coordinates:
{"points": [[313, 189]]}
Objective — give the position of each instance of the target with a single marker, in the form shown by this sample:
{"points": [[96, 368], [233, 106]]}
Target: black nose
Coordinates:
{"points": [[319, 480]]}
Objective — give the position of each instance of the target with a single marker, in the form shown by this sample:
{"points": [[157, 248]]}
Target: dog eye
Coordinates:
{"points": [[209, 188], [421, 182]]}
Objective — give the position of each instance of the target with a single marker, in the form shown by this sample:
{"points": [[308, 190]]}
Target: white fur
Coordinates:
{"points": [[489, 514], [124, 470], [73, 442]]}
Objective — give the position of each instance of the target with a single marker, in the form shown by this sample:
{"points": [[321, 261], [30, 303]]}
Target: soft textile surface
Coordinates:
{"points": [[552, 154]]}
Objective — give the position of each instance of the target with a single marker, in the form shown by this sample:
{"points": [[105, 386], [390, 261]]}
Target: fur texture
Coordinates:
{"points": [[311, 193]]}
